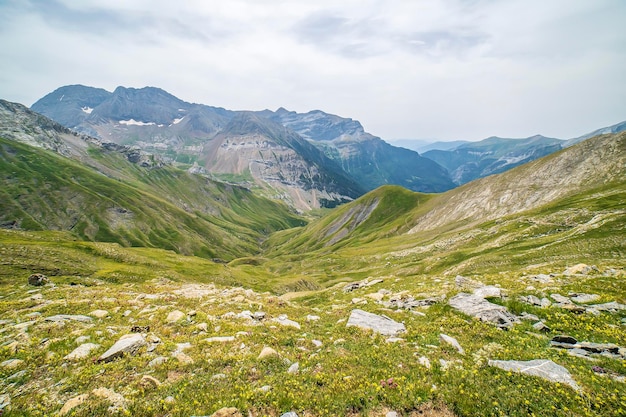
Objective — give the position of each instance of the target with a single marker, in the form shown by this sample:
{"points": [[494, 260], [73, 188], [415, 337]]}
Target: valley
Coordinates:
{"points": [[168, 292]]}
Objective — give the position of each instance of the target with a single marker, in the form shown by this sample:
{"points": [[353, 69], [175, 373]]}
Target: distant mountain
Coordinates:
{"points": [[493, 155], [369, 159], [158, 122], [54, 179], [616, 128], [422, 146]]}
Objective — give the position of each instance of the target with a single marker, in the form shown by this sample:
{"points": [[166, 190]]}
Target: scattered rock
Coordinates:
{"points": [[127, 344], [391, 414], [290, 414], [580, 269], [312, 318], [69, 317], [148, 381], [467, 283], [73, 403], [488, 291], [227, 412], [541, 327], [283, 320], [317, 343], [483, 310], [11, 364], [38, 280], [183, 358], [542, 368], [220, 339], [530, 299], [583, 298], [543, 278], [564, 339], [560, 299], [118, 402], [612, 307], [452, 342], [267, 352], [529, 317], [293, 369], [81, 352], [379, 324], [423, 360], [174, 316], [99, 314], [159, 360]]}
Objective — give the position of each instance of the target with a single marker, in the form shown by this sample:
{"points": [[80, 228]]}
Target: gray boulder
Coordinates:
{"points": [[476, 306], [379, 324], [38, 280], [128, 344], [542, 368]]}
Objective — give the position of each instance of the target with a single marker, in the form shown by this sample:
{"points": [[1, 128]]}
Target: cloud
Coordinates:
{"points": [[440, 69]]}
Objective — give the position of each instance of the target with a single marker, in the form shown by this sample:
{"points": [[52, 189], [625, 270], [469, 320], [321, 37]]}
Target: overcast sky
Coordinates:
{"points": [[424, 69]]}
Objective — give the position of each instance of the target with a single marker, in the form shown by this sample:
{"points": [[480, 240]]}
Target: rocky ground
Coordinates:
{"points": [[454, 346]]}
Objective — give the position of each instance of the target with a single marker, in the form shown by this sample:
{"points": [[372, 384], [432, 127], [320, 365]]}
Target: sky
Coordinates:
{"points": [[406, 69]]}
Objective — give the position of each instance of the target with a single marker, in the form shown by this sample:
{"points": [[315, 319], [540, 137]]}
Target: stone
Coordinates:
{"points": [[81, 339], [258, 315], [379, 324], [11, 364], [227, 412], [452, 342], [174, 316], [283, 320], [545, 302], [69, 317], [530, 299], [267, 352], [289, 414], [127, 345], [467, 283], [529, 317], [317, 343], [543, 278], [81, 352], [293, 369], [583, 298], [203, 327], [183, 358], [560, 299], [220, 339], [424, 361], [391, 414], [478, 307], [38, 280], [564, 339], [73, 403], [541, 327], [488, 291], [99, 314], [580, 269], [118, 402], [148, 381], [5, 401], [612, 306], [542, 368], [312, 318], [375, 296], [159, 360], [598, 347]]}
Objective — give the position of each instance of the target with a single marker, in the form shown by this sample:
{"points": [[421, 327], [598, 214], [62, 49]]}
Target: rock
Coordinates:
{"points": [[423, 360], [11, 364], [99, 314], [220, 339], [5, 401], [174, 316], [391, 414], [69, 317], [289, 414], [203, 327], [530, 299], [376, 296], [284, 321], [127, 344], [227, 412], [542, 278], [359, 301], [545, 302], [452, 342], [529, 317], [580, 269], [379, 324], [542, 368], [259, 315], [73, 403], [183, 358], [467, 283], [18, 375], [38, 280], [159, 360], [293, 369], [118, 402], [560, 299], [317, 343], [584, 298], [81, 339], [148, 381], [488, 291], [267, 352], [483, 310], [312, 318], [612, 306], [573, 308], [541, 327], [598, 347], [81, 352], [564, 339]]}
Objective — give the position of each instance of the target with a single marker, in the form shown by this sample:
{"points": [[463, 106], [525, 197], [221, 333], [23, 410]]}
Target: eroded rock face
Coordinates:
{"points": [[542, 368], [476, 306], [379, 324]]}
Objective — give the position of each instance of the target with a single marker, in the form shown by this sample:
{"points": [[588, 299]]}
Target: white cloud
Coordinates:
{"points": [[436, 69]]}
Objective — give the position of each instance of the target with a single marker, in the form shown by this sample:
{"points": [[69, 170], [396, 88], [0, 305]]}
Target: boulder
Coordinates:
{"points": [[283, 320], [488, 291], [70, 317], [38, 280], [452, 342], [175, 316], [81, 352], [73, 403], [227, 412], [118, 402], [100, 314], [584, 298], [379, 324], [267, 352], [478, 307], [580, 269], [127, 345], [542, 368]]}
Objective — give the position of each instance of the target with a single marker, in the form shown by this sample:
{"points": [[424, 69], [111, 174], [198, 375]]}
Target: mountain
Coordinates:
{"points": [[160, 123], [491, 156], [367, 158], [616, 128], [279, 161], [54, 179], [422, 146]]}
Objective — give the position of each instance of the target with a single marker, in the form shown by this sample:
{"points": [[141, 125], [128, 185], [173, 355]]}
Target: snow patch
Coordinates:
{"points": [[177, 121], [87, 110], [134, 122], [61, 99]]}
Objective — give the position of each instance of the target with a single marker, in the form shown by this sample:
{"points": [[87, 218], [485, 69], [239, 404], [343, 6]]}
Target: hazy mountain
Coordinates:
{"points": [[616, 128], [491, 156], [53, 179], [158, 122], [422, 146], [369, 159]]}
